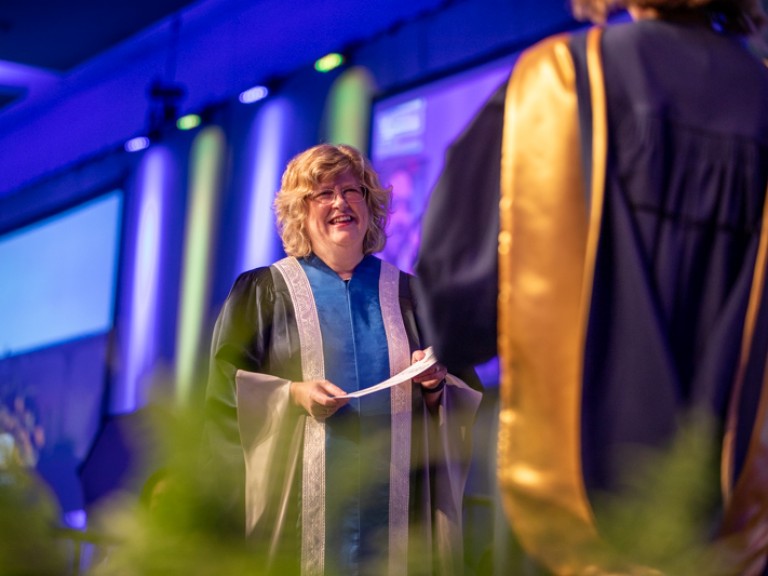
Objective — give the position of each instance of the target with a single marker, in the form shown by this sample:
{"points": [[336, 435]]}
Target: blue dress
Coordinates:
{"points": [[358, 436]]}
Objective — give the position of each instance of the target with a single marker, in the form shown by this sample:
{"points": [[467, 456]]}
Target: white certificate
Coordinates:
{"points": [[413, 370]]}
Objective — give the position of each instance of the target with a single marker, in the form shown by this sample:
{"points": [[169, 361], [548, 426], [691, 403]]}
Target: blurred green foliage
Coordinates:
{"points": [[29, 542], [663, 520], [665, 515], [183, 524]]}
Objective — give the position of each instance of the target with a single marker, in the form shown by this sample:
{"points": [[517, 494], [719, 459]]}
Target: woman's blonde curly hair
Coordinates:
{"points": [[743, 17], [304, 175]]}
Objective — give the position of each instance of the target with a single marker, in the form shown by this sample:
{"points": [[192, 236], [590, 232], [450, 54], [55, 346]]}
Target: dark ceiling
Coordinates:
{"points": [[58, 36], [54, 37], [76, 76], [46, 46]]}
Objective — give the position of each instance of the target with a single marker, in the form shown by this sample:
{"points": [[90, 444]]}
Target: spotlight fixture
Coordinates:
{"points": [[329, 62], [164, 101], [253, 94], [136, 144]]}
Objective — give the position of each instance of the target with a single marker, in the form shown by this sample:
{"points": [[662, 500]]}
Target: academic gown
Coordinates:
{"points": [[376, 488], [629, 266]]}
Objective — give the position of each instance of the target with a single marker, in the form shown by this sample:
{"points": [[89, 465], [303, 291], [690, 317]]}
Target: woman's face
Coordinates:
{"points": [[338, 227]]}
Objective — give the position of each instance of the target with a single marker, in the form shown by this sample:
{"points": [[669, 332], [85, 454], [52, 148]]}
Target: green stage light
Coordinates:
{"points": [[188, 122], [329, 62]]}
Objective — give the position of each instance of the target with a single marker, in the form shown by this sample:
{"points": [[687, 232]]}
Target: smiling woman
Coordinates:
{"points": [[292, 340], [337, 227], [316, 171]]}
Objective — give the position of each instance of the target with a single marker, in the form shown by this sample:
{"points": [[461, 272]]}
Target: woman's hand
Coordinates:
{"points": [[317, 397], [432, 376]]}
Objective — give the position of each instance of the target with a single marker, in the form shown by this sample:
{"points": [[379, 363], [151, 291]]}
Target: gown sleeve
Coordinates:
{"points": [[241, 338], [456, 268], [253, 432]]}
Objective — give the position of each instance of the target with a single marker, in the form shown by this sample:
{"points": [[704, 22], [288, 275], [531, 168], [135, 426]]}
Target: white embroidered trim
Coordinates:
{"points": [[400, 463], [313, 475], [313, 478]]}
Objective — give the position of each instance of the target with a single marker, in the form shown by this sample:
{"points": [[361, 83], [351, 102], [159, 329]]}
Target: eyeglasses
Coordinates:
{"points": [[351, 195]]}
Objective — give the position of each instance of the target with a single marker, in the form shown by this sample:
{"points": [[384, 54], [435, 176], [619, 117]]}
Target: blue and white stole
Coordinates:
{"points": [[351, 333]]}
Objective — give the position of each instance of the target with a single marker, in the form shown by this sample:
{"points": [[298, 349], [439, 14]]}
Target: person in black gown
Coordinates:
{"points": [[621, 177], [365, 485]]}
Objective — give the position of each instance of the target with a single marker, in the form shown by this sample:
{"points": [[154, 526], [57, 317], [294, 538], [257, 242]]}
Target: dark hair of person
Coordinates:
{"points": [[742, 17]]}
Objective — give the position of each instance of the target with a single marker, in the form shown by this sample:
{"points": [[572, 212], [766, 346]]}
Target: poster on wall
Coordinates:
{"points": [[411, 132]]}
